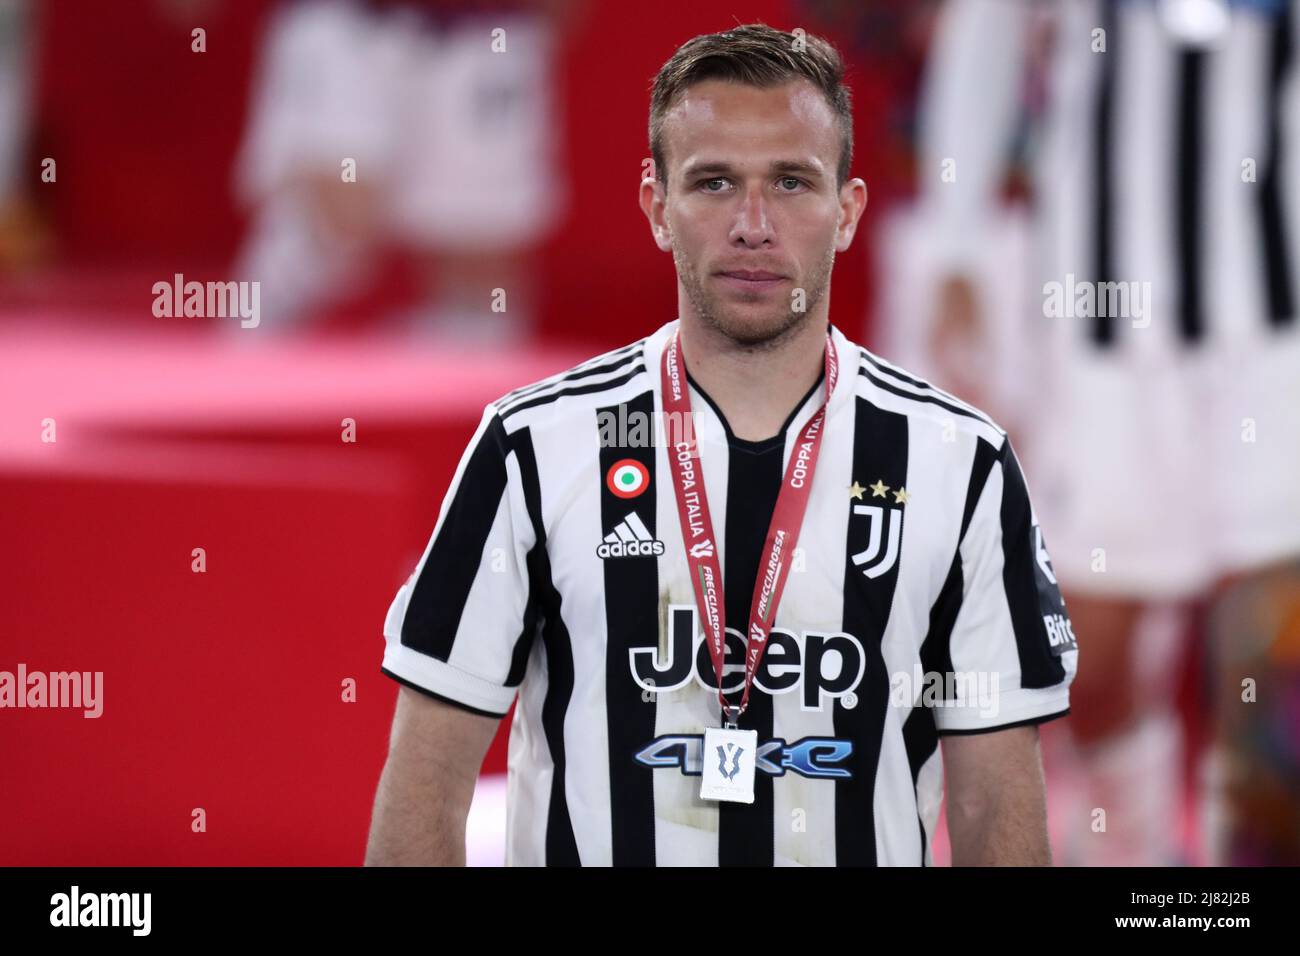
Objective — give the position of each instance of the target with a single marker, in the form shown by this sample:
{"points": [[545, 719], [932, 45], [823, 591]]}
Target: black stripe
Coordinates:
{"points": [[880, 447], [561, 844], [631, 620], [1029, 593], [1276, 241], [538, 581], [931, 399], [532, 613], [1189, 195], [456, 559], [936, 648], [981, 466], [613, 383], [1102, 329], [745, 831], [1019, 723], [608, 363], [921, 383]]}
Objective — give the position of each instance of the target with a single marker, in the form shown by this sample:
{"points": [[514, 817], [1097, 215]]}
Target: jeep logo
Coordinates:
{"points": [[814, 664]]}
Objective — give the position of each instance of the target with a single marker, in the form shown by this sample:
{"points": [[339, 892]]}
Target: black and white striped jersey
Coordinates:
{"points": [[1166, 155], [921, 602]]}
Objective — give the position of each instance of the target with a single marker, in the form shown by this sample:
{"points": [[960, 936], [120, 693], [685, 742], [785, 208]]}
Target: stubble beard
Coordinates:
{"points": [[748, 331]]}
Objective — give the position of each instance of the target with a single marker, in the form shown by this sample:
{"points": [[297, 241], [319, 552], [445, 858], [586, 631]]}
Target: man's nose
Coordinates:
{"points": [[753, 225]]}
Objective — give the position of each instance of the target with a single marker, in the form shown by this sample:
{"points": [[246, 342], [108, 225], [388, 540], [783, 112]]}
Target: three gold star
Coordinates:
{"points": [[879, 490]]}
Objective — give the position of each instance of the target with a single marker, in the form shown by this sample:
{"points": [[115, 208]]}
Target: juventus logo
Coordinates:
{"points": [[869, 559]]}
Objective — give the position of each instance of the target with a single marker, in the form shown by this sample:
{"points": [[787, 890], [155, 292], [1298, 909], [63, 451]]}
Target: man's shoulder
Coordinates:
{"points": [[896, 389], [575, 390]]}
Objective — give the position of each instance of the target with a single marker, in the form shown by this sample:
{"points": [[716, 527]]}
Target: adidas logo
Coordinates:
{"points": [[629, 539]]}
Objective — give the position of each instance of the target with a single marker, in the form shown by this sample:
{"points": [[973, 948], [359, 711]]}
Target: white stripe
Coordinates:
{"points": [[1234, 273], [551, 414], [497, 599], [525, 391], [936, 472], [940, 416], [925, 389], [978, 640], [528, 790], [1145, 166], [813, 601], [571, 514], [445, 679], [560, 385], [635, 523]]}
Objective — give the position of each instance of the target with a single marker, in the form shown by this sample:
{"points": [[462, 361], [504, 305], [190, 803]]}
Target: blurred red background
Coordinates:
{"points": [[223, 690]]}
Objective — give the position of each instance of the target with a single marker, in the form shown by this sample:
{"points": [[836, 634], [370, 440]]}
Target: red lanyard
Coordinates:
{"points": [[697, 527]]}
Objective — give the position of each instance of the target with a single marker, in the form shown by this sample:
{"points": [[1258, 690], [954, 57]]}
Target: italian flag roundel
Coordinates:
{"points": [[627, 478]]}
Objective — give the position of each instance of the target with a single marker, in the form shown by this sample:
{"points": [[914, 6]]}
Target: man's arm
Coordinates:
{"points": [[434, 756], [996, 799]]}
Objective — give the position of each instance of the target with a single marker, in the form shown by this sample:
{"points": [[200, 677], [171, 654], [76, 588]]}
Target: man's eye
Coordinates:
{"points": [[791, 179], [705, 183]]}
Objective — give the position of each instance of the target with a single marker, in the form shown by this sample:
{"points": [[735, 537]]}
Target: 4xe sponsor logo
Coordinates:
{"points": [[816, 757], [814, 664]]}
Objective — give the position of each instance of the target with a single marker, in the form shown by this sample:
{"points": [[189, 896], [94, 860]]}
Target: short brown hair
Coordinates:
{"points": [[756, 55]]}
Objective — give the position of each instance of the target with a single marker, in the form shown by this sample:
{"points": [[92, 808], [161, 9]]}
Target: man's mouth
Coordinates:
{"points": [[747, 280], [748, 276]]}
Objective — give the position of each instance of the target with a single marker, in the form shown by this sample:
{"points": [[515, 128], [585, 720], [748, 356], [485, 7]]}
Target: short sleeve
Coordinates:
{"points": [[1011, 647], [461, 627]]}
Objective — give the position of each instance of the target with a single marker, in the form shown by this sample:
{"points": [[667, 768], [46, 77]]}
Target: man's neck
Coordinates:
{"points": [[756, 387]]}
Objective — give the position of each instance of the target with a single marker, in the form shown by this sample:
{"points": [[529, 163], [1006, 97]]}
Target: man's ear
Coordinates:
{"points": [[853, 200], [652, 197]]}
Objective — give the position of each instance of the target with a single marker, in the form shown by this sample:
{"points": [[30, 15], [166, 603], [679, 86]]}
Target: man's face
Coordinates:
{"points": [[752, 213]]}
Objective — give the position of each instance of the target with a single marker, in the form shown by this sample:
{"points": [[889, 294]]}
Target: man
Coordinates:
{"points": [[846, 548]]}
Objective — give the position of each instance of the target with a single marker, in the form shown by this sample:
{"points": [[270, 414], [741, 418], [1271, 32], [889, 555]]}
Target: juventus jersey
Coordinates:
{"points": [[920, 602]]}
